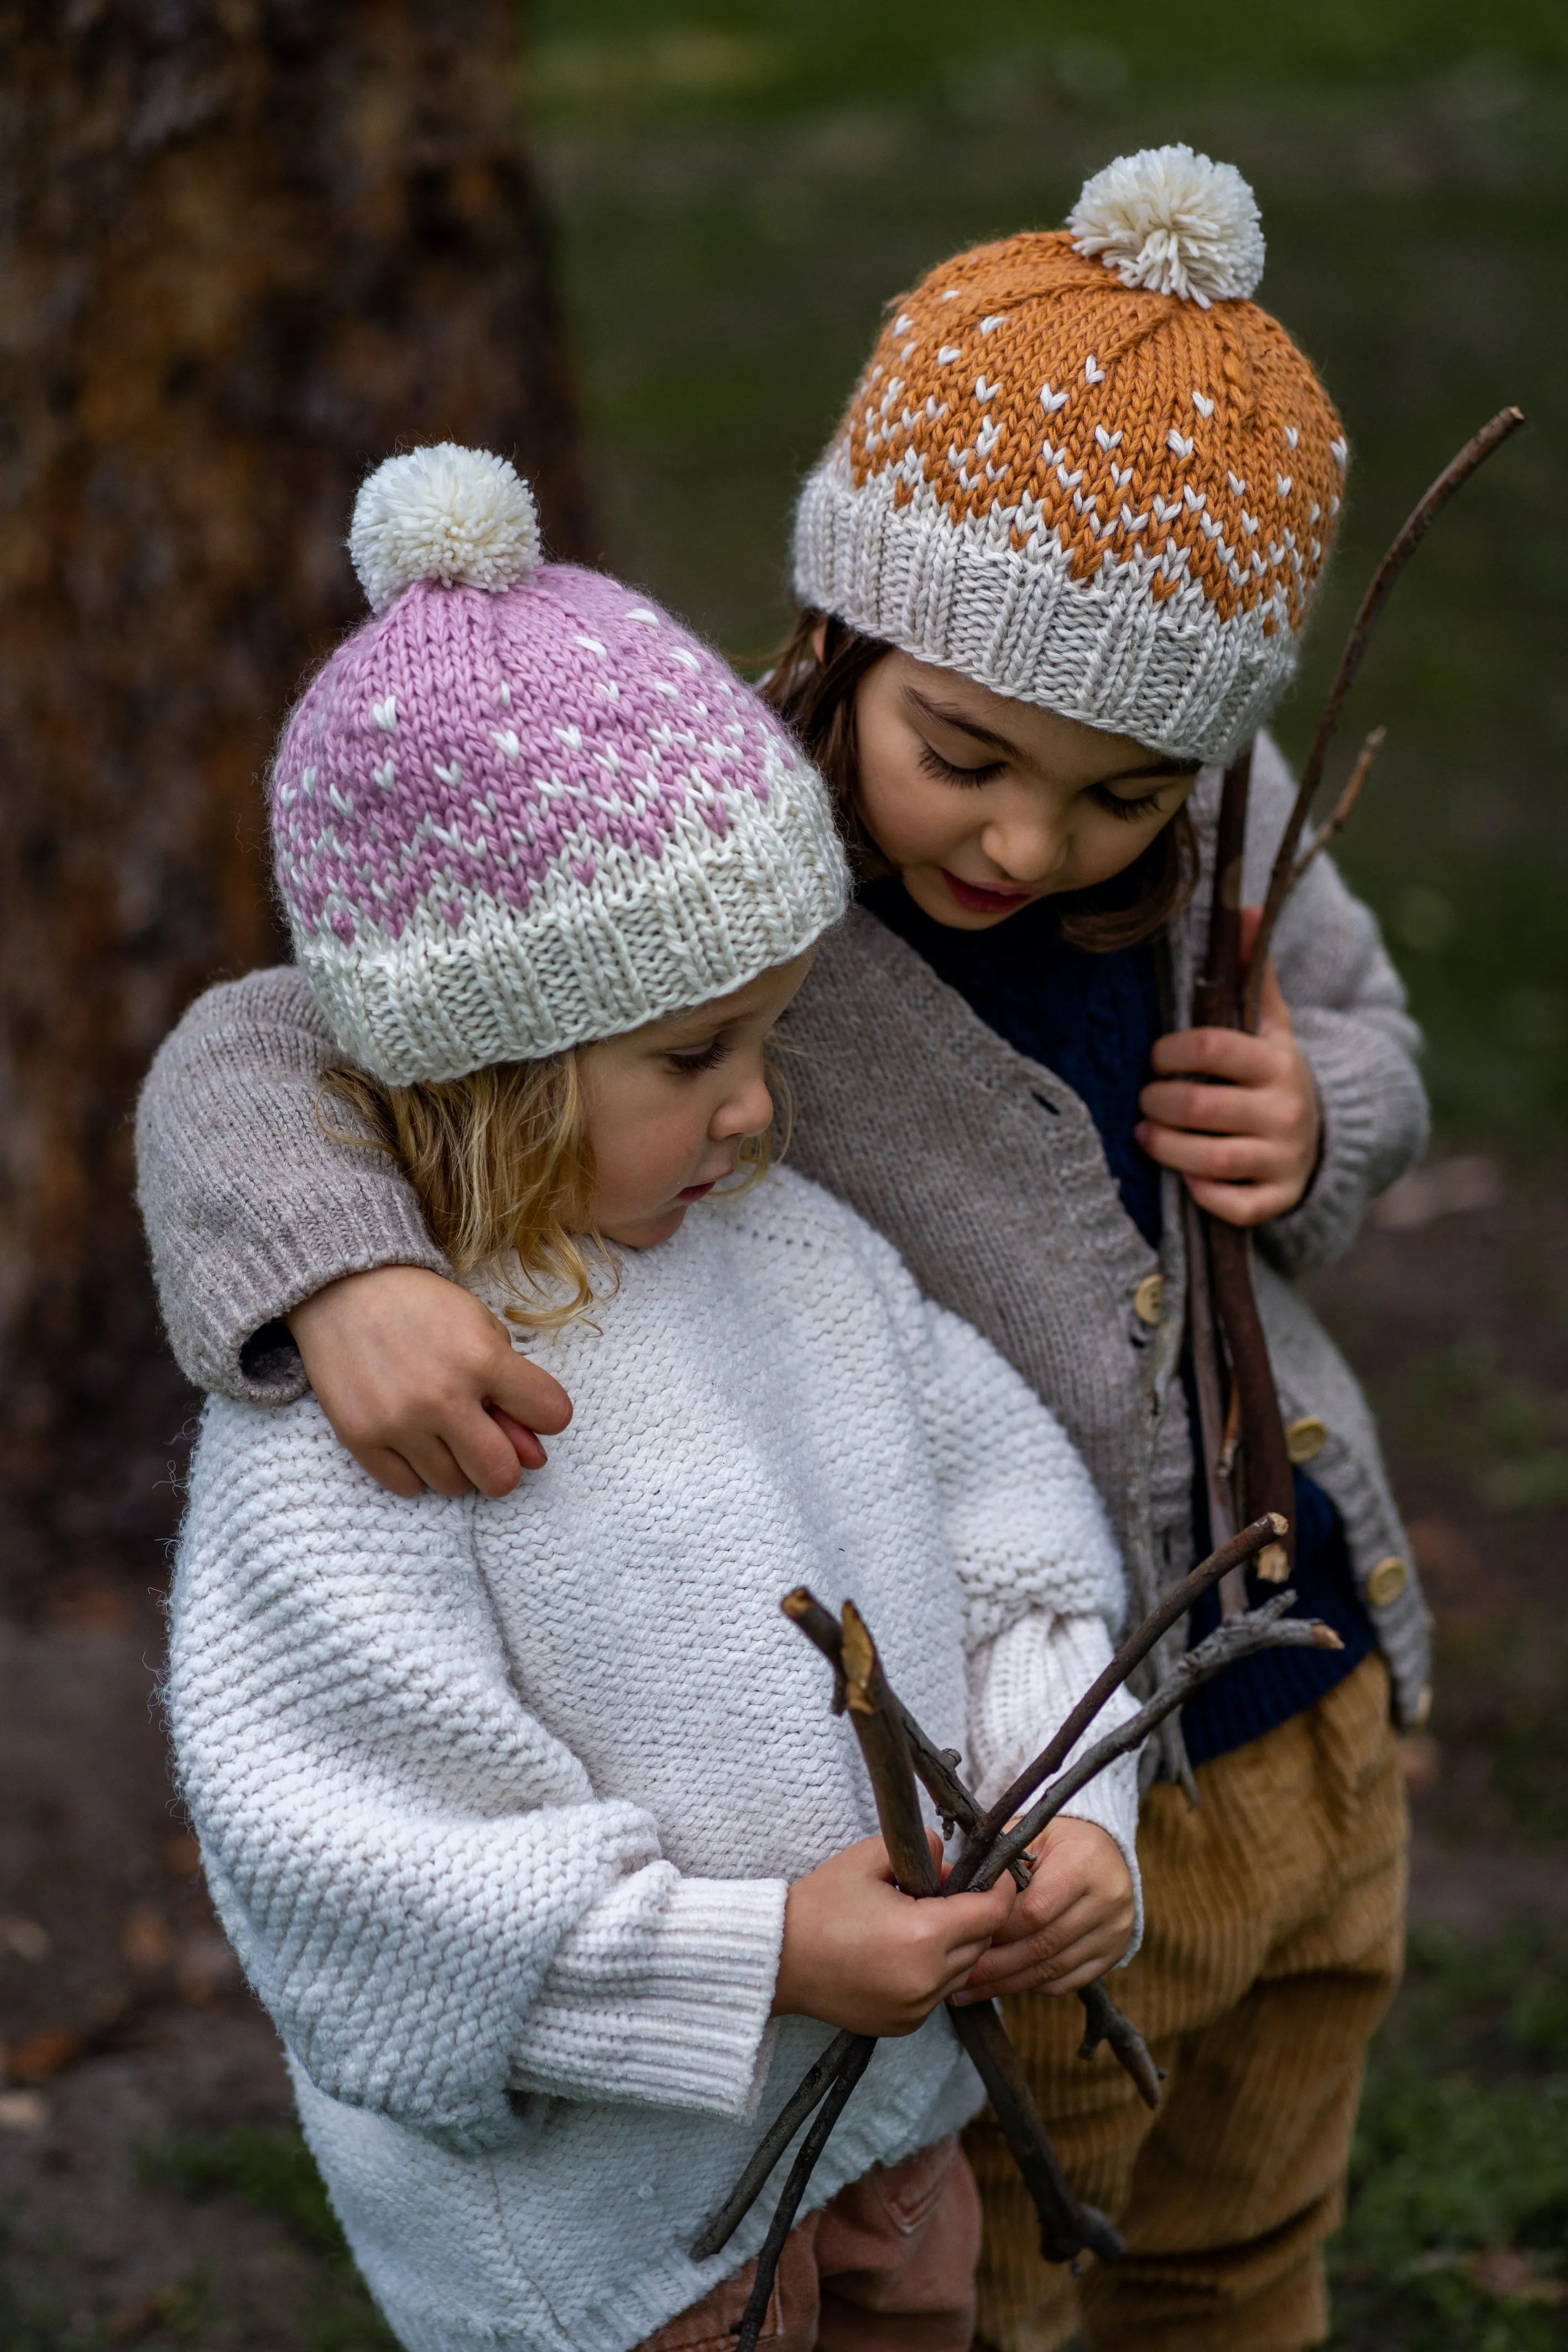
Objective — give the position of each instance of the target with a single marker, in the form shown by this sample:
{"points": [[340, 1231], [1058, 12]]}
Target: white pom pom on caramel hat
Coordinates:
{"points": [[1084, 468], [1175, 223]]}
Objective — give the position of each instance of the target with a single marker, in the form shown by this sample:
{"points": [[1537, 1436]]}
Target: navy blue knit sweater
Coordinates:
{"points": [[1093, 1019]]}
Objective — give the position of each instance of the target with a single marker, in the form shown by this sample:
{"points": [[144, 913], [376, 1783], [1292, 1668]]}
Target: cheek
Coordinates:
{"points": [[1104, 846], [912, 819]]}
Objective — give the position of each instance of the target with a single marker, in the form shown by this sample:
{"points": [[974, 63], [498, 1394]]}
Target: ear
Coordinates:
{"points": [[819, 639]]}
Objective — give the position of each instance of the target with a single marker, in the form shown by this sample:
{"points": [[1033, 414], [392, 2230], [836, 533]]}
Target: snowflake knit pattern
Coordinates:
{"points": [[1083, 469], [521, 807]]}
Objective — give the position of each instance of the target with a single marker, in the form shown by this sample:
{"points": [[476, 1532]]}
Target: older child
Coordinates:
{"points": [[1052, 570], [530, 1820]]}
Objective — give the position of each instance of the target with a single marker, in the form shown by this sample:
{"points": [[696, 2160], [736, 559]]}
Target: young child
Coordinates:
{"points": [[529, 1818], [1052, 572]]}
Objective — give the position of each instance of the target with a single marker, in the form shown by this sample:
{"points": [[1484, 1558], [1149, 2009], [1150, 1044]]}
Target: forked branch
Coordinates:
{"points": [[1454, 476]]}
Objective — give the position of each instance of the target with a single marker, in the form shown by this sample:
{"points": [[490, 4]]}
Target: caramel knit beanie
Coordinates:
{"points": [[521, 807], [1082, 469]]}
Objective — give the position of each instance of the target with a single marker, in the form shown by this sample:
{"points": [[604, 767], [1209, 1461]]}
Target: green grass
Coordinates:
{"points": [[743, 184], [1458, 2227], [273, 2171]]}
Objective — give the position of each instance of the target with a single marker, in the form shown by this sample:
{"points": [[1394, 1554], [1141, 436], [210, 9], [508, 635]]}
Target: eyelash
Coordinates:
{"points": [[1128, 811], [690, 1065], [933, 762]]}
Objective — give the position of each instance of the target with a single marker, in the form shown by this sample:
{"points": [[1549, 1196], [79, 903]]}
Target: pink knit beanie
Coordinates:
{"points": [[521, 808]]}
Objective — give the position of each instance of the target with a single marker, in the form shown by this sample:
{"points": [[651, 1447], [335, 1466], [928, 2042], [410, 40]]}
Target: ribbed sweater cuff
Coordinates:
{"points": [[1375, 1127], [661, 1995], [247, 1350]]}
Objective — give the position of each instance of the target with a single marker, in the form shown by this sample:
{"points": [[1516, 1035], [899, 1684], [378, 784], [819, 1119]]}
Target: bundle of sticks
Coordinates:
{"points": [[898, 1755], [1247, 1467]]}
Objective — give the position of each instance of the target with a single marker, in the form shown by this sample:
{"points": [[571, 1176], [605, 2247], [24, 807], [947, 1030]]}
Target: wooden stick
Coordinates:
{"points": [[1103, 2021], [1239, 1637], [842, 2053], [1343, 805], [1210, 1433], [1133, 1652], [936, 1767], [1266, 1483], [1453, 477], [1066, 2226], [801, 2171]]}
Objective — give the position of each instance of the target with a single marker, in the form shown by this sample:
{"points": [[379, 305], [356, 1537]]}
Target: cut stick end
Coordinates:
{"points": [[1324, 1637], [860, 1660], [1272, 1563]]}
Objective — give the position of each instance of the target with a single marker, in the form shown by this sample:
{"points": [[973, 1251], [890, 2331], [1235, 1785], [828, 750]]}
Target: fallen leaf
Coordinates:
{"points": [[43, 2055], [181, 1855], [1512, 2276], [146, 1940]]}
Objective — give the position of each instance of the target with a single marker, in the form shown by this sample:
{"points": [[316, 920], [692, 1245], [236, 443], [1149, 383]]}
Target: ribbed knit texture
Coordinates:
{"points": [[1102, 499], [983, 1166], [506, 1795], [507, 822], [1275, 1942]]}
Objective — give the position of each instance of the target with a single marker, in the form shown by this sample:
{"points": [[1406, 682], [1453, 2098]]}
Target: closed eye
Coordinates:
{"points": [[948, 771], [1128, 811], [699, 1058]]}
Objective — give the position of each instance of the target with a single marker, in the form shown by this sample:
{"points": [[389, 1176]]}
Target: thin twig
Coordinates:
{"points": [[1453, 477], [813, 2085], [936, 1767], [1205, 1365], [1343, 805], [1133, 1652], [1239, 1637], [1103, 2021], [1066, 2225], [801, 2171]]}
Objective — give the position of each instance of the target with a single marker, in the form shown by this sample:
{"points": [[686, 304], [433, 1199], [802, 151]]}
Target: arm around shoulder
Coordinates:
{"points": [[250, 1206]]}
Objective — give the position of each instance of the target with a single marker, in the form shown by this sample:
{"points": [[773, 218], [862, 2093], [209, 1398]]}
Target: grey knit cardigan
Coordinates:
{"points": [[981, 1165]]}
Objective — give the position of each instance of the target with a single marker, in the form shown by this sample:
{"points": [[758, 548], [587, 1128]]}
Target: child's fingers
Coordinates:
{"points": [[527, 1394], [389, 1469], [1232, 1054], [1220, 1159], [486, 1454], [434, 1462], [1244, 1204], [523, 1442], [1189, 1105]]}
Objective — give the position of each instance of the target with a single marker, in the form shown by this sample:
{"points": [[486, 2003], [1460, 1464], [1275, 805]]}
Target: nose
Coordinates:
{"points": [[1028, 846], [746, 1110]]}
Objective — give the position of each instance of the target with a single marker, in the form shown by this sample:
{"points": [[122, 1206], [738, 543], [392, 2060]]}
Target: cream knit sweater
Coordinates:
{"points": [[499, 1801]]}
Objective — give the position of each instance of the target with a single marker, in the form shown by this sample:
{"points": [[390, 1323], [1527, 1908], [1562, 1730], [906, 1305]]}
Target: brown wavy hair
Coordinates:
{"points": [[815, 696]]}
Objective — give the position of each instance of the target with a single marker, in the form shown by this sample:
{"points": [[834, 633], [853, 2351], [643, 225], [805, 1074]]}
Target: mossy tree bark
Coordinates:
{"points": [[247, 247]]}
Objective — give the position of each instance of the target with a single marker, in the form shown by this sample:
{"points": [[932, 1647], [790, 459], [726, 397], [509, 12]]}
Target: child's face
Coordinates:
{"points": [[670, 1105], [984, 804]]}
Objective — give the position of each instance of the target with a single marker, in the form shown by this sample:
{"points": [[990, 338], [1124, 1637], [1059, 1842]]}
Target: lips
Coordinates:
{"points": [[981, 901]]}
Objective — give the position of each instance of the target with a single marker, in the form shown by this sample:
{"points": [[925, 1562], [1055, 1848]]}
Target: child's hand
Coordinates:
{"points": [[857, 1953], [421, 1385], [1072, 1923], [1248, 1149]]}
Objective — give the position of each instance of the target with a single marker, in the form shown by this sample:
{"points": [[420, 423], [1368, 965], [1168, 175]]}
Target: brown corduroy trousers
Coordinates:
{"points": [[1275, 1930]]}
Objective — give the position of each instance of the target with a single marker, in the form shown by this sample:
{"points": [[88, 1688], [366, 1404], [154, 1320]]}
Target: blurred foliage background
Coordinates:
{"points": [[743, 184]]}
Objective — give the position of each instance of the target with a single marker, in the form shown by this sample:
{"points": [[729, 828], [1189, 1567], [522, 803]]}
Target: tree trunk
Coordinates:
{"points": [[249, 247]]}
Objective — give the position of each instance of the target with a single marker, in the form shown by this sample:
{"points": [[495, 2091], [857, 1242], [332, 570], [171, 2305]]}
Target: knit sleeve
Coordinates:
{"points": [[418, 1877], [250, 1206], [1348, 1008], [1022, 1685]]}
